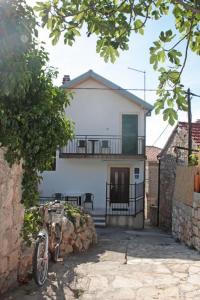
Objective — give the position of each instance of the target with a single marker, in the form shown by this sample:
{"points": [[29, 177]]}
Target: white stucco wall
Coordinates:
{"points": [[85, 176], [100, 111], [95, 112]]}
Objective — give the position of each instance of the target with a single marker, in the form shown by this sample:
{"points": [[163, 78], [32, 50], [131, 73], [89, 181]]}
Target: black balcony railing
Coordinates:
{"points": [[126, 200], [104, 145]]}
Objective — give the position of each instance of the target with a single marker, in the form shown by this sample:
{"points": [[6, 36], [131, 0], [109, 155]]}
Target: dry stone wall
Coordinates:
{"points": [[186, 222], [11, 219], [167, 184], [77, 236], [15, 257]]}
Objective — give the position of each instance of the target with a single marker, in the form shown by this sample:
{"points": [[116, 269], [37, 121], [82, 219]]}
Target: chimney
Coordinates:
{"points": [[66, 78]]}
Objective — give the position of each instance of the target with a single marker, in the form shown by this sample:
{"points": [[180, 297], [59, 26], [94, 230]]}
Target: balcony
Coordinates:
{"points": [[104, 145]]}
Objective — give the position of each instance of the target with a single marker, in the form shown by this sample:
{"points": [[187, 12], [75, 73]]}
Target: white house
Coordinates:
{"points": [[107, 155]]}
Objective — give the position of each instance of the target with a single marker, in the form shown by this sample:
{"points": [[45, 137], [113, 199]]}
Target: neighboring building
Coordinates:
{"points": [[107, 155], [174, 153], [151, 187]]}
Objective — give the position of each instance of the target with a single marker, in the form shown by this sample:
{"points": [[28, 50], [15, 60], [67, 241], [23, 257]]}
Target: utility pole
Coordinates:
{"points": [[189, 125]]}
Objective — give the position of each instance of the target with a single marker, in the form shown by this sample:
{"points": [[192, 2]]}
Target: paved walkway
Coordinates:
{"points": [[125, 265]]}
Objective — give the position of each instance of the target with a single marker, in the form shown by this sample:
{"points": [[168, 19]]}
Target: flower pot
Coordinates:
{"points": [[197, 183]]}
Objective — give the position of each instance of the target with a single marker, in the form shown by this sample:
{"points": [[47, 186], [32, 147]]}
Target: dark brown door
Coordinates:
{"points": [[119, 185]]}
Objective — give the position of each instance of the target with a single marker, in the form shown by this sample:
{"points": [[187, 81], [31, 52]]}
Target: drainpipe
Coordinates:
{"points": [[158, 209], [144, 181]]}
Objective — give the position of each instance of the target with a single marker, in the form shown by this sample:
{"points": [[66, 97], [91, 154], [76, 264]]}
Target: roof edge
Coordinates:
{"points": [[111, 85]]}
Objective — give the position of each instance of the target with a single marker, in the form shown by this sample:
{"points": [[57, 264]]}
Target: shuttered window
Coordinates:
{"points": [[130, 134]]}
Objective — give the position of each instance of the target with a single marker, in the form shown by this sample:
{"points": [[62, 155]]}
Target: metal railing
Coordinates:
{"points": [[125, 200], [104, 145], [67, 199]]}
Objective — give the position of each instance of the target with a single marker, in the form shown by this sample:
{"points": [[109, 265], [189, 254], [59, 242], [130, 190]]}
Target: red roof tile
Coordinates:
{"points": [[152, 153], [195, 130]]}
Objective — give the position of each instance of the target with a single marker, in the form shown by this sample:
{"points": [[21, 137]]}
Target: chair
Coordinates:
{"points": [[105, 146], [88, 201], [81, 146]]}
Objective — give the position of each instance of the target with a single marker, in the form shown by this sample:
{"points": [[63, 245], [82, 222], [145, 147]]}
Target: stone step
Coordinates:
{"points": [[100, 224], [99, 220]]}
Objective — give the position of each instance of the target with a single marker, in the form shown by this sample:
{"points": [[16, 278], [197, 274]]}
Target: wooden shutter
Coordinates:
{"points": [[130, 134]]}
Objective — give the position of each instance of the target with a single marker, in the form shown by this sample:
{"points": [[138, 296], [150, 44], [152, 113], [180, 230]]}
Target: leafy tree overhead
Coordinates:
{"points": [[113, 21], [32, 110]]}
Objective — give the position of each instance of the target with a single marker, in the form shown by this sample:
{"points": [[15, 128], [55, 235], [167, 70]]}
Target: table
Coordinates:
{"points": [[93, 141], [75, 196]]}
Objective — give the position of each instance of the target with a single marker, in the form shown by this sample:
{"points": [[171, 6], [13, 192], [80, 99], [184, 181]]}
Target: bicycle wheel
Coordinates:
{"points": [[40, 259]]}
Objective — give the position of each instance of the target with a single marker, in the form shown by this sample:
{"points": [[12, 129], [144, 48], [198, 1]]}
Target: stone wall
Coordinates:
{"points": [[167, 183], [186, 222], [11, 219], [186, 208], [77, 236], [184, 187]]}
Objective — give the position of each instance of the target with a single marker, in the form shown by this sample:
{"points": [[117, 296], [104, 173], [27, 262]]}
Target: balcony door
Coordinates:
{"points": [[130, 134], [119, 185]]}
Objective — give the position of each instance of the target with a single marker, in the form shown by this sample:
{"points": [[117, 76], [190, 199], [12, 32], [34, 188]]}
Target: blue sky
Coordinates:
{"points": [[82, 56]]}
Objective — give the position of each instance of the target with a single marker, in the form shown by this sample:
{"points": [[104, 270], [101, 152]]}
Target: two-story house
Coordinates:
{"points": [[107, 155]]}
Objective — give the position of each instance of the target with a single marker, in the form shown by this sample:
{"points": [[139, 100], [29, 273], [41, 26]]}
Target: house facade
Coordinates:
{"points": [[107, 155]]}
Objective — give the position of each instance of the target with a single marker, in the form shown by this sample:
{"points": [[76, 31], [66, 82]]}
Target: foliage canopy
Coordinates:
{"points": [[32, 109], [113, 21]]}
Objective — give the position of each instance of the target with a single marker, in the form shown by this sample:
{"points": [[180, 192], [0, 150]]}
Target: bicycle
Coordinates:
{"points": [[48, 242]]}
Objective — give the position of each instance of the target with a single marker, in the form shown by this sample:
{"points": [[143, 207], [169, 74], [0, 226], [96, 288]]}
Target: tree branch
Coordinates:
{"points": [[187, 6], [186, 48]]}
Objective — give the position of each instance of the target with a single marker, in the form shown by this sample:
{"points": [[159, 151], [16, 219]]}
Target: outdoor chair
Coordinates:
{"points": [[105, 146], [88, 201]]}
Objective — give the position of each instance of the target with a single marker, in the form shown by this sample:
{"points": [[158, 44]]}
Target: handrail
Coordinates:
{"points": [[128, 201], [105, 145]]}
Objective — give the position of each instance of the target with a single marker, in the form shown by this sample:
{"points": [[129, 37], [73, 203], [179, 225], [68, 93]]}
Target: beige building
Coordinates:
{"points": [[151, 189]]}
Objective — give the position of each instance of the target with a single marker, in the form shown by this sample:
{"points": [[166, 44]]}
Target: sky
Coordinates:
{"points": [[82, 57]]}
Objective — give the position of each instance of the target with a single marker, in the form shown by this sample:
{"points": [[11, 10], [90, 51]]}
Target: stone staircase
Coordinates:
{"points": [[99, 220]]}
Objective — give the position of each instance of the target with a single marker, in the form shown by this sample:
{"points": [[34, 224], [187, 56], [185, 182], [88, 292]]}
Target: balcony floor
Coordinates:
{"points": [[104, 156]]}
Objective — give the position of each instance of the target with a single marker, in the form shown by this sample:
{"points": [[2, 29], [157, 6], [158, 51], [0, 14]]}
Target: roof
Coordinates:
{"points": [[152, 153], [110, 85], [195, 130], [183, 125]]}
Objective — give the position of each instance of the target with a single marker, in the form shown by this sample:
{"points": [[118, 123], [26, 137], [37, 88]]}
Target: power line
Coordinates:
{"points": [[112, 89], [195, 95], [123, 89], [160, 135]]}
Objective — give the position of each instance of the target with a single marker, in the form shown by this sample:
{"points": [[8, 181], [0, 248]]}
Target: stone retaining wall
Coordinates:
{"points": [[77, 236], [186, 222], [167, 183], [15, 258], [11, 219]]}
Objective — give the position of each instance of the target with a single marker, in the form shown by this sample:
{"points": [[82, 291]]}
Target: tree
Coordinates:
{"points": [[113, 22], [32, 110]]}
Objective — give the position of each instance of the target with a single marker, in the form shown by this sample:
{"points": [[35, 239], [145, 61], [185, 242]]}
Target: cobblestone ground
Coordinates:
{"points": [[125, 265]]}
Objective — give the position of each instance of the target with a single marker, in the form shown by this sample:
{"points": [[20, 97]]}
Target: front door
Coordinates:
{"points": [[119, 185]]}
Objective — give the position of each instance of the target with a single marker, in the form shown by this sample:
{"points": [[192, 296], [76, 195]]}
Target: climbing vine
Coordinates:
{"points": [[33, 123]]}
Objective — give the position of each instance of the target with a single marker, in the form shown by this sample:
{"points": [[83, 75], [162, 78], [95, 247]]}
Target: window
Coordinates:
{"points": [[137, 173]]}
